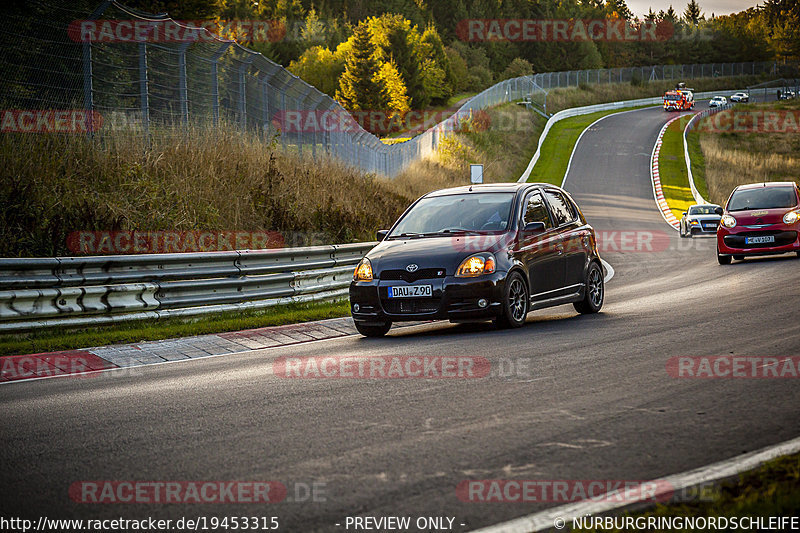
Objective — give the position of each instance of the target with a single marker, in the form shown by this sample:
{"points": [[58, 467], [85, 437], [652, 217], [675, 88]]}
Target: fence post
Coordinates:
{"points": [[314, 107], [262, 82], [143, 96], [283, 132], [215, 82], [243, 90], [88, 88], [301, 104], [183, 93], [88, 100]]}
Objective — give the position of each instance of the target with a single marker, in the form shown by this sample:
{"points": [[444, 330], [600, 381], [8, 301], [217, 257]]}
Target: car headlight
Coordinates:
{"points": [[363, 271], [476, 265], [791, 217], [728, 221], [694, 222]]}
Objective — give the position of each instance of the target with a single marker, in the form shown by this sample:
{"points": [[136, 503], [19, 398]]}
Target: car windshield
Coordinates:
{"points": [[762, 198], [702, 210], [671, 97], [456, 213]]}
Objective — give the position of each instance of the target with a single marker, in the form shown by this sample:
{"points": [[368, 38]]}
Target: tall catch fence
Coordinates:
{"points": [[116, 69]]}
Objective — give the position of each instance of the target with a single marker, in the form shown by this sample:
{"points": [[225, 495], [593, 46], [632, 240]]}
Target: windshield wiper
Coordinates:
{"points": [[409, 234], [448, 231]]}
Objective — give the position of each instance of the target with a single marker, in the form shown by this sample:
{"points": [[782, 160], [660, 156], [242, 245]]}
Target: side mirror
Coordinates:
{"points": [[718, 211], [382, 233], [532, 228], [684, 213]]}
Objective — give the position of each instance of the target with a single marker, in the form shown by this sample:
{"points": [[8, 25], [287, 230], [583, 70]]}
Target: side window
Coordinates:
{"points": [[536, 210], [562, 210]]}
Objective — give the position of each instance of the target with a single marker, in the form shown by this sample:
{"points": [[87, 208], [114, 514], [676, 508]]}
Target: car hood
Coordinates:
{"points": [[702, 218], [432, 252], [760, 216]]}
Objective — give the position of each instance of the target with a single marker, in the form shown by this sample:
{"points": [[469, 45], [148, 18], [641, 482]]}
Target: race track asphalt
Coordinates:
{"points": [[589, 398]]}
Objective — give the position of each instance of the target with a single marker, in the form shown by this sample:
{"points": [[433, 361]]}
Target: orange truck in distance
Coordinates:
{"points": [[680, 99]]}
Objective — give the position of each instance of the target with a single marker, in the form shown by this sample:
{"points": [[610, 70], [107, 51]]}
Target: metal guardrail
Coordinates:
{"points": [[689, 127], [74, 291]]}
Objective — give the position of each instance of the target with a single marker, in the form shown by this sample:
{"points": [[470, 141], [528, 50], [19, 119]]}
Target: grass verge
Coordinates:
{"points": [[698, 162], [49, 340], [672, 170], [771, 490]]}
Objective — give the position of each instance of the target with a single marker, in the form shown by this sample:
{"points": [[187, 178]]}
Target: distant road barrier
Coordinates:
{"points": [[689, 127]]}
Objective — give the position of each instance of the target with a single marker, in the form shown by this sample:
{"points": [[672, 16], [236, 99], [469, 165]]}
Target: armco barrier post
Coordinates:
{"points": [[143, 89]]}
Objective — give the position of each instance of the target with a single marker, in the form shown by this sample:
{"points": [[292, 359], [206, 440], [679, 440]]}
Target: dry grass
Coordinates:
{"points": [[52, 185], [223, 180], [733, 159]]}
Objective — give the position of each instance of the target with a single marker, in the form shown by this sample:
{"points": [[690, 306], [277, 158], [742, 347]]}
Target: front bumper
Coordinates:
{"points": [[453, 299], [703, 229], [732, 241]]}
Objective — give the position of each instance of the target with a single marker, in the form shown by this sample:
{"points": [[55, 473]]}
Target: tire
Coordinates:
{"points": [[723, 259], [516, 303], [681, 231], [373, 331], [798, 255], [739, 257], [595, 291]]}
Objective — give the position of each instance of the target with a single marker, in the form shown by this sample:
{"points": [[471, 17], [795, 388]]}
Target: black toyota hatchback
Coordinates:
{"points": [[478, 253]]}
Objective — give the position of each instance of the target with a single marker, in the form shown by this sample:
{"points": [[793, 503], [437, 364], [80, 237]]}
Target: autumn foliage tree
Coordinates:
{"points": [[370, 82]]}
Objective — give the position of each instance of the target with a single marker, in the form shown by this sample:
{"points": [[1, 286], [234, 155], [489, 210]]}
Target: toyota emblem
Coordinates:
{"points": [[412, 267]]}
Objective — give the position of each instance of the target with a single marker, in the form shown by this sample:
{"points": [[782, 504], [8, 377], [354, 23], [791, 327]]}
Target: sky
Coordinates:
{"points": [[718, 7]]}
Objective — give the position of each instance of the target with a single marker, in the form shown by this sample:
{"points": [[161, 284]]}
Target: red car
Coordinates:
{"points": [[759, 219]]}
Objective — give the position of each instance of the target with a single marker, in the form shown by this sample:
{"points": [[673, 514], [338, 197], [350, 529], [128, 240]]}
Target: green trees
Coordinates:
{"points": [[360, 87], [371, 83], [692, 14], [518, 67], [410, 53], [319, 67]]}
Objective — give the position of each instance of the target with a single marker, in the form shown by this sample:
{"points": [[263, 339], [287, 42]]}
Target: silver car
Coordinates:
{"points": [[700, 219], [718, 101]]}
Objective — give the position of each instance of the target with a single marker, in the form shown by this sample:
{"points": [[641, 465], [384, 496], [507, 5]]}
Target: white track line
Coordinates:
{"points": [[608, 268], [655, 179], [672, 484]]}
